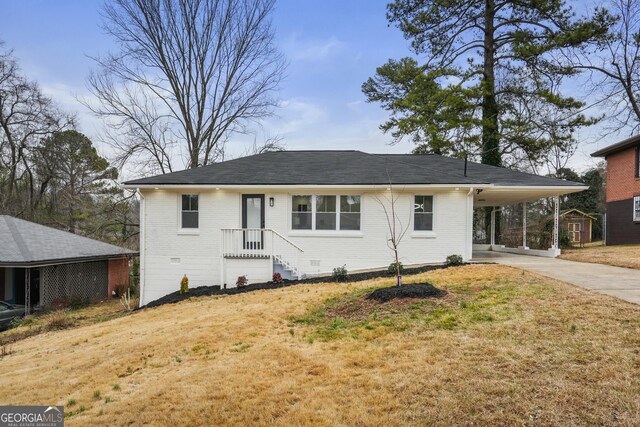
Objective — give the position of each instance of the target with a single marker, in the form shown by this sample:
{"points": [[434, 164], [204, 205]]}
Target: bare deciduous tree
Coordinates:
{"points": [[189, 74], [26, 116], [615, 64], [395, 227]]}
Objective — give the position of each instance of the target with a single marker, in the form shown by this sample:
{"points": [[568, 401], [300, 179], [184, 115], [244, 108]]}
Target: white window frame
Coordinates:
{"points": [[313, 231], [636, 212], [182, 230], [428, 234]]}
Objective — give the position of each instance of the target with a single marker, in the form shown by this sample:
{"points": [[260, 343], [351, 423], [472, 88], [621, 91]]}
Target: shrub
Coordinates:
{"points": [[58, 319], [120, 290], [394, 267], [277, 278], [184, 285], [340, 273], [453, 260], [242, 281]]}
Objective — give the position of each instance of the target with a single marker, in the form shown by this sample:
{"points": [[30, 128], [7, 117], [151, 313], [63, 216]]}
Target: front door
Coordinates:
{"points": [[574, 232], [253, 220]]}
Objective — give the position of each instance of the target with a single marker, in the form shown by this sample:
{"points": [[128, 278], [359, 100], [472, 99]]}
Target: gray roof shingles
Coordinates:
{"points": [[328, 167], [24, 243]]}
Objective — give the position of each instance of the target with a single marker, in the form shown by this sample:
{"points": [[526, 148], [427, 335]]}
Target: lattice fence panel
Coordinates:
{"points": [[85, 281]]}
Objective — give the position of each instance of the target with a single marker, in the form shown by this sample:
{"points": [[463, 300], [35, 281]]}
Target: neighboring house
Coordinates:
{"points": [[39, 265], [578, 225], [623, 191], [307, 212]]}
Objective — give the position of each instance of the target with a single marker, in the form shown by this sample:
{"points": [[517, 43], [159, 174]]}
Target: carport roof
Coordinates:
{"points": [[27, 244]]}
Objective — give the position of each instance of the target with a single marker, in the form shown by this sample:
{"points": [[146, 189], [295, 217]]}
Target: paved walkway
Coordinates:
{"points": [[623, 283]]}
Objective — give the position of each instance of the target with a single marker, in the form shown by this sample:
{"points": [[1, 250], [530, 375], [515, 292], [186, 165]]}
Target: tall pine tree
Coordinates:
{"points": [[489, 85]]}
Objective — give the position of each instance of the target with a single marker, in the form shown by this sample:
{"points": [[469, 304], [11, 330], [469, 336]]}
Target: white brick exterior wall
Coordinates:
{"points": [[168, 253]]}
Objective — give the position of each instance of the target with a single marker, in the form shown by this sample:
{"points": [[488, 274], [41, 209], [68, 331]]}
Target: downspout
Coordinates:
{"points": [[469, 222], [143, 218]]}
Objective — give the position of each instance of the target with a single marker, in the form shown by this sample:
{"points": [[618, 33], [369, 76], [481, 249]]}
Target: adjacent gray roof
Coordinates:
{"points": [[619, 146], [24, 243], [347, 168]]}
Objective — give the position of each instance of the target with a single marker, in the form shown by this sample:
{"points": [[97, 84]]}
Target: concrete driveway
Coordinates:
{"points": [[623, 283]]}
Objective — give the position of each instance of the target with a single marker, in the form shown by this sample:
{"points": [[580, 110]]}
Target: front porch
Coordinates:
{"points": [[270, 251]]}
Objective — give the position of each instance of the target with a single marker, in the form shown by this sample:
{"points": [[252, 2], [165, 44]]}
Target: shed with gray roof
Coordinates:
{"points": [[41, 265]]}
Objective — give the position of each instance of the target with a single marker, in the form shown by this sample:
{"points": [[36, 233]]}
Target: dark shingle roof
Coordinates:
{"points": [[619, 146], [346, 168], [24, 243]]}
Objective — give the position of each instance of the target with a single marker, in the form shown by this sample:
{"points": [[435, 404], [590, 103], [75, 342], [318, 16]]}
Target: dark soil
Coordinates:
{"points": [[356, 277], [414, 290]]}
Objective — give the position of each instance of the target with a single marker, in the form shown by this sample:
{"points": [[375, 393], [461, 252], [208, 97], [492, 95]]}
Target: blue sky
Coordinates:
{"points": [[332, 47]]}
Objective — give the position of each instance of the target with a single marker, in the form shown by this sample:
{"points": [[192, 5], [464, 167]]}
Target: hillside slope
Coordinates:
{"points": [[542, 351]]}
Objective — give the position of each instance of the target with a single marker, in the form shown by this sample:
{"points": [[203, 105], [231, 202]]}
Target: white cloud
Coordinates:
{"points": [[312, 49]]}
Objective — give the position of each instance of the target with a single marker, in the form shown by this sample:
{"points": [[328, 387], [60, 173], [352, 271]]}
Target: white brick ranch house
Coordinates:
{"points": [[307, 212]]}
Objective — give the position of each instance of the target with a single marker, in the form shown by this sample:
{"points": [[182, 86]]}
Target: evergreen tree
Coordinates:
{"points": [[489, 85]]}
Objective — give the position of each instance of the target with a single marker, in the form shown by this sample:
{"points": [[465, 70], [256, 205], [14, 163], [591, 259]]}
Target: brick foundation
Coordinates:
{"points": [[118, 273]]}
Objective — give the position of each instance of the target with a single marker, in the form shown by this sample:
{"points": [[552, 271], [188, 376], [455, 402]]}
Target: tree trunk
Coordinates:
{"points": [[490, 131], [490, 137]]}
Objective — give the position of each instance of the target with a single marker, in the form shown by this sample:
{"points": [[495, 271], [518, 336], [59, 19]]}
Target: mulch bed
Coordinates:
{"points": [[176, 297], [414, 290]]}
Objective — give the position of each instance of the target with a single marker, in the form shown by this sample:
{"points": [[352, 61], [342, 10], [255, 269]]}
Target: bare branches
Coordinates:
{"points": [[26, 116], [396, 228], [189, 73]]}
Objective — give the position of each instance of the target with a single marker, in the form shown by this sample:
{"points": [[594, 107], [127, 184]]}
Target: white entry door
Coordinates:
{"points": [[253, 220]]}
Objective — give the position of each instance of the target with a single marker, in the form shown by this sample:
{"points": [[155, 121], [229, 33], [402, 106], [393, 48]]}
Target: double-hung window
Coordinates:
{"points": [[423, 213], [349, 212], [189, 211], [636, 208], [325, 212], [301, 212]]}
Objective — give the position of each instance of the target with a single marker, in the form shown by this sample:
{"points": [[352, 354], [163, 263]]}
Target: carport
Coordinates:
{"points": [[498, 196], [40, 265]]}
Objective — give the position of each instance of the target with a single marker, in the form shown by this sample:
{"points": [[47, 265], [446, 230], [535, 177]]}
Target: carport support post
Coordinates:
{"points": [[493, 227], [556, 220], [524, 224], [27, 291]]}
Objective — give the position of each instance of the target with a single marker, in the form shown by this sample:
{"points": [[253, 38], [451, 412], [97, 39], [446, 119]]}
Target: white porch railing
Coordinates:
{"points": [[261, 243]]}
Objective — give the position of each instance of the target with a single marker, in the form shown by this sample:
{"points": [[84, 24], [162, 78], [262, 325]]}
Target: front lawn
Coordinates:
{"points": [[498, 347], [619, 256]]}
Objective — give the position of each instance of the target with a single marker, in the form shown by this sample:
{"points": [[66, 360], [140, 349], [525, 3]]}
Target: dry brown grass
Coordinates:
{"points": [[550, 354], [619, 256], [63, 319]]}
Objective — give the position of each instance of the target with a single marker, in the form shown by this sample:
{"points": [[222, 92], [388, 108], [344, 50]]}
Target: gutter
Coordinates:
{"points": [[296, 186], [61, 261]]}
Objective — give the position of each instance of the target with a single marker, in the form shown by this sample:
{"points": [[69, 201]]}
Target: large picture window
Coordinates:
{"points": [[325, 212], [636, 208], [189, 211], [423, 213]]}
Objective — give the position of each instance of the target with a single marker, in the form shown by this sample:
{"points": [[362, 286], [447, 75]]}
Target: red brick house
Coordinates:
{"points": [[623, 191]]}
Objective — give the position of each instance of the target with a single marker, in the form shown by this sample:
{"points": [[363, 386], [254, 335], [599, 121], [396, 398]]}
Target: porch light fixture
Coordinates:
{"points": [[271, 201], [156, 188], [217, 188]]}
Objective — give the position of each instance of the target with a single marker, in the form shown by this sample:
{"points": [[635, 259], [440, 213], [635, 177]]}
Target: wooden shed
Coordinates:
{"points": [[578, 225]]}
